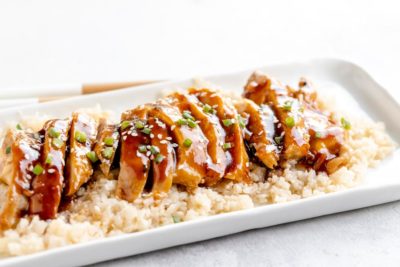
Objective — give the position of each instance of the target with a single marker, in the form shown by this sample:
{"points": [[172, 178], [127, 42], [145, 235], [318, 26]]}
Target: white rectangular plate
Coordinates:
{"points": [[339, 77]]}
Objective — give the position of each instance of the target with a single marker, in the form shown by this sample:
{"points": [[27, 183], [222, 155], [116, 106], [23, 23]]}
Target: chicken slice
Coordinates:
{"points": [[190, 142], [134, 165], [261, 126], [162, 155], [48, 185], [289, 111], [19, 155], [233, 143], [106, 145], [212, 129], [82, 137], [326, 137]]}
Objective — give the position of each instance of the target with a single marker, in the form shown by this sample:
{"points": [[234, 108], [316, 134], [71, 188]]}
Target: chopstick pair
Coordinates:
{"points": [[25, 96]]}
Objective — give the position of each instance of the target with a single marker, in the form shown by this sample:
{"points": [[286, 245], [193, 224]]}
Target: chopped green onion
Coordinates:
{"points": [[176, 219], [318, 134], [345, 123], [227, 122], [159, 158], [8, 150], [18, 126], [142, 149], [57, 142], [208, 109], [108, 152], [139, 125], [92, 156], [192, 124], [187, 142], [287, 105], [278, 139], [38, 169], [186, 114], [49, 159], [289, 121], [108, 141], [181, 122], [227, 146], [154, 150], [125, 124], [146, 130], [80, 136], [53, 132], [241, 121]]}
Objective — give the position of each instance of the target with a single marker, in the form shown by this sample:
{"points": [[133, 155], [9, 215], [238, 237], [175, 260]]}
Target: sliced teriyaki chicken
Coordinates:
{"points": [[106, 145], [261, 124], [289, 111], [326, 137], [197, 114], [81, 140], [47, 186], [190, 142], [19, 155], [134, 165], [163, 156], [233, 144]]}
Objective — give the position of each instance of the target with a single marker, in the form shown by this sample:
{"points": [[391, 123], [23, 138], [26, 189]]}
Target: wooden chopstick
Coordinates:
{"points": [[84, 90]]}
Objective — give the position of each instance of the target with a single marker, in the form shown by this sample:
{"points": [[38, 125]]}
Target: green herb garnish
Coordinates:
{"points": [[38, 169], [49, 159], [154, 150], [192, 124], [278, 139], [159, 158], [287, 105], [80, 136], [8, 150], [227, 122], [53, 132], [146, 130], [345, 124], [176, 219], [227, 146], [109, 141], [92, 156], [187, 142], [107, 152], [318, 134], [125, 124], [18, 126], [139, 125], [208, 109], [186, 114], [241, 121], [289, 121], [181, 122], [142, 149]]}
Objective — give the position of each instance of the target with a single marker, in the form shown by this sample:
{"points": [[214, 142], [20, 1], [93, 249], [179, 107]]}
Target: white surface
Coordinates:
{"points": [[381, 184], [48, 42]]}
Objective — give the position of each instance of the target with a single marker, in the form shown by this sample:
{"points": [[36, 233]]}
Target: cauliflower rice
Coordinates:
{"points": [[97, 213]]}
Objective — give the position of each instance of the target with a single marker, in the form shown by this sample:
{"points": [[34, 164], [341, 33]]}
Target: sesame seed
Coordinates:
{"points": [[124, 138], [148, 153], [51, 171], [151, 136], [169, 138], [260, 133], [173, 127], [163, 142], [159, 136]]}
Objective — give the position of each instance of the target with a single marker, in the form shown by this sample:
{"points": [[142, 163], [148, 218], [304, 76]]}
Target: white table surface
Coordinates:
{"points": [[57, 42]]}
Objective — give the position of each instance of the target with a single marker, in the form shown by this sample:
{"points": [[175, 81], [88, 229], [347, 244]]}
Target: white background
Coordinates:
{"points": [[58, 42]]}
